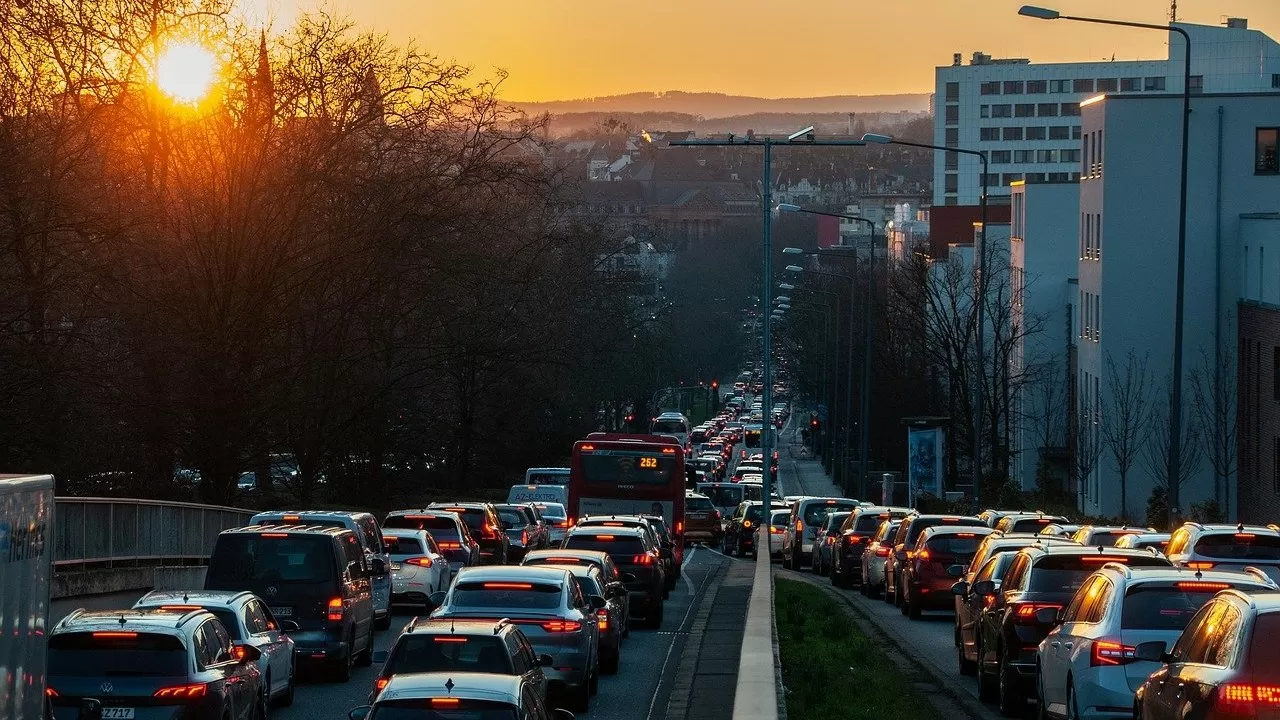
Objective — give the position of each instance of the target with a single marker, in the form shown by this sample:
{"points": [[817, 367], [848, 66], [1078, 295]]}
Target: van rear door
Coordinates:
{"points": [[296, 573]]}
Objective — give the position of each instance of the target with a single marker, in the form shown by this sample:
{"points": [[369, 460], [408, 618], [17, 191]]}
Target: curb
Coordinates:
{"points": [[682, 685]]}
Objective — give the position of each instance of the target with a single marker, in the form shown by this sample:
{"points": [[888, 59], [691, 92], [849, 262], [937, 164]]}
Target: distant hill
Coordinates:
{"points": [[716, 105]]}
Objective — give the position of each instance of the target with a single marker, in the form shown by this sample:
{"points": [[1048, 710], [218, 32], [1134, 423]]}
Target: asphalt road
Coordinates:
{"points": [[639, 691]]}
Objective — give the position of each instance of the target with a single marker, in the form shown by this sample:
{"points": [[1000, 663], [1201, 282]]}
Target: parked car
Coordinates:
{"points": [[419, 567]]}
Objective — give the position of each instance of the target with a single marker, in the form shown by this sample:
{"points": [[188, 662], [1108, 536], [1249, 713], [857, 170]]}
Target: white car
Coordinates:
{"points": [[778, 523], [418, 567], [557, 520], [1086, 664]]}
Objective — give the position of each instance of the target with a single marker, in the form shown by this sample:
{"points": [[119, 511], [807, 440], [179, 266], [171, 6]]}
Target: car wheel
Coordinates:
{"points": [[609, 664], [342, 667], [786, 559], [286, 699], [913, 607], [260, 706], [887, 596], [581, 699], [384, 623], [1010, 700], [1073, 712], [365, 657], [987, 685], [655, 620], [593, 684], [904, 605]]}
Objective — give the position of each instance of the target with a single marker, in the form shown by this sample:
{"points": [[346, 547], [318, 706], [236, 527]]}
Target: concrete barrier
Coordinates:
{"points": [[102, 581], [756, 697]]}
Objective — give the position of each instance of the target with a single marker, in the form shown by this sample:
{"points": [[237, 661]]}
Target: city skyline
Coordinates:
{"points": [[556, 51]]}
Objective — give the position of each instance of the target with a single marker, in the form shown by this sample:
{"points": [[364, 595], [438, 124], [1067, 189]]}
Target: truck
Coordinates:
{"points": [[26, 567]]}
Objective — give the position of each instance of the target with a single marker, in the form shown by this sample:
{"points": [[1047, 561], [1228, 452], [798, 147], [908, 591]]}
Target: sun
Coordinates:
{"points": [[185, 71]]}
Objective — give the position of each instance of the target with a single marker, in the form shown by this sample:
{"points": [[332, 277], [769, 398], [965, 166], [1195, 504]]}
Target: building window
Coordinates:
{"points": [[991, 179], [1046, 156], [1264, 153], [953, 92], [1097, 236], [1108, 85], [1275, 80], [1130, 84], [1047, 109], [1196, 84], [1011, 133], [951, 183], [1059, 132], [1024, 156], [950, 200], [1012, 87], [1059, 86], [989, 134], [952, 161], [984, 111], [1010, 178], [1068, 156], [1082, 85], [1033, 178], [1001, 111], [1097, 154], [1153, 83], [953, 137], [1036, 133], [1024, 110], [1083, 249], [1075, 132], [989, 88], [953, 114], [1037, 87], [1001, 157], [1070, 109], [1059, 177]]}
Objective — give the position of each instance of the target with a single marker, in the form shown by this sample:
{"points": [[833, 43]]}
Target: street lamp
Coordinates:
{"points": [[1175, 392], [980, 291], [786, 286], [794, 268]]}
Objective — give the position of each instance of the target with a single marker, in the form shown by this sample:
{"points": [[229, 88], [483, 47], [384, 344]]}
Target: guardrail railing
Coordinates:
{"points": [[91, 531]]}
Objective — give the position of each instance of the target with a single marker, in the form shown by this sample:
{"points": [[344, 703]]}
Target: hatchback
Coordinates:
{"points": [[482, 520], [1221, 546], [1108, 535], [875, 556], [556, 518], [909, 532], [1086, 664], [452, 536], [611, 618], [151, 665], [448, 695], [525, 530], [703, 522], [740, 533], [1029, 522], [1141, 541], [855, 533], [418, 567], [595, 558], [635, 556], [939, 557]]}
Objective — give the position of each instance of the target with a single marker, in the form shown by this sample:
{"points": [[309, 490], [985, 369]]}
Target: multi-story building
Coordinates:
{"points": [[1026, 116]]}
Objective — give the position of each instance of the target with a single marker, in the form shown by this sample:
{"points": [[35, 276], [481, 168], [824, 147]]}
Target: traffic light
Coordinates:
{"points": [[815, 424], [715, 384]]}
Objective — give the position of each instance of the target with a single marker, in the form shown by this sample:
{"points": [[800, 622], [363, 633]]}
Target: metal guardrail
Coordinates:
{"points": [[94, 531]]}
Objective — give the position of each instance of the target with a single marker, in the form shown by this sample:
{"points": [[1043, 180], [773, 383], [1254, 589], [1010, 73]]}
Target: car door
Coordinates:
{"points": [[993, 611], [238, 677], [1165, 687], [1056, 649], [359, 590], [971, 605], [271, 640]]}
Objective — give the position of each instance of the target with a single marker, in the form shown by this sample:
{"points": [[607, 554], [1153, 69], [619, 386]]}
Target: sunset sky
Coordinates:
{"points": [[567, 49]]}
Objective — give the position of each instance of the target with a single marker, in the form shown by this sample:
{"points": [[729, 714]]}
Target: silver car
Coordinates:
{"points": [[874, 557], [557, 520], [551, 610]]}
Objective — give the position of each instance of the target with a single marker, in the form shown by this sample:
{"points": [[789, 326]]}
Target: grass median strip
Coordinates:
{"points": [[830, 669]]}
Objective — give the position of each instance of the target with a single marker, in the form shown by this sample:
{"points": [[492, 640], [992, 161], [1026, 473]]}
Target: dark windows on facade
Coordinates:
{"points": [[953, 137], [989, 88], [1036, 133], [1024, 110], [1130, 84], [953, 114], [1070, 109], [953, 92], [1196, 84], [1047, 109], [1024, 156], [1264, 155], [1059, 86], [1011, 133], [989, 133], [1082, 85], [1001, 111], [1013, 87], [1151, 84], [1001, 157], [1037, 87], [1108, 85], [950, 183], [952, 161], [1059, 132]]}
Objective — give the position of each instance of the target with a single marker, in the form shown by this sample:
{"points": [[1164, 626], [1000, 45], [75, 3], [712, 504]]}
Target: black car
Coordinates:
{"points": [[908, 533], [151, 664], [315, 576], [740, 533], [482, 520], [1011, 625], [638, 561]]}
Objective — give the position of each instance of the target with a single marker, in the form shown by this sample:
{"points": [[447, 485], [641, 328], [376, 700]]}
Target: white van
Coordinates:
{"points": [[546, 476], [673, 424], [539, 493]]}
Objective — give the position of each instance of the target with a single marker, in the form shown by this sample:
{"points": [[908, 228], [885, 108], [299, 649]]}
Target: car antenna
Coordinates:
{"points": [[184, 597], [448, 685], [122, 620]]}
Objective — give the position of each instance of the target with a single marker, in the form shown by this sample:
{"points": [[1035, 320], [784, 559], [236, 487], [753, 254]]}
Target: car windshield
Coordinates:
{"points": [[116, 654], [815, 513], [1031, 525], [835, 520], [270, 557], [1165, 607], [421, 709], [448, 653], [698, 504], [668, 427], [1239, 546], [1065, 573], [514, 595]]}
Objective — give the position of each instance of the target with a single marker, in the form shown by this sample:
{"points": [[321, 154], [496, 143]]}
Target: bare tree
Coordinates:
{"points": [[1126, 422], [1155, 451], [1047, 416], [1214, 388], [1088, 446]]}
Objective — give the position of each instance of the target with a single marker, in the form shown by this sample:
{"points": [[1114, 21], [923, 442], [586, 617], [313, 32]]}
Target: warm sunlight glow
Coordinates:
{"points": [[185, 71]]}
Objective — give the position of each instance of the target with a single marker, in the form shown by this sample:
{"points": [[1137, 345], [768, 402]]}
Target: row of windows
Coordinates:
{"points": [[1090, 236], [1090, 316], [1090, 419], [1031, 132], [1004, 157], [951, 180], [1022, 110], [1093, 154], [1076, 85]]}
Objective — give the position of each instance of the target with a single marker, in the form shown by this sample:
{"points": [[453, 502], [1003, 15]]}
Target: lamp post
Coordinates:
{"points": [[980, 291], [1175, 391], [804, 138]]}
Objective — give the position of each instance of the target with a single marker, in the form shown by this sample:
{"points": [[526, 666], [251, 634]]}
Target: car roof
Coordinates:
{"points": [[229, 598], [624, 531], [429, 512], [502, 573], [957, 530], [1078, 549], [1179, 573], [469, 505], [404, 532], [689, 494], [151, 620], [335, 514], [290, 529], [456, 626], [598, 555], [464, 685], [1222, 528]]}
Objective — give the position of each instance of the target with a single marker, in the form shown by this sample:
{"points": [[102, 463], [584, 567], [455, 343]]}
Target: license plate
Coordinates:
{"points": [[278, 612], [395, 566], [117, 713]]}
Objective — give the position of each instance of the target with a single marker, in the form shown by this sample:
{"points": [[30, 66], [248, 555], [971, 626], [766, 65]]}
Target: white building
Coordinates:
{"points": [[1026, 116], [1127, 246]]}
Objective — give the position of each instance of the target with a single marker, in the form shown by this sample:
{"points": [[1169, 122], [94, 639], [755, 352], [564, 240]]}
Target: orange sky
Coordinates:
{"points": [[561, 49]]}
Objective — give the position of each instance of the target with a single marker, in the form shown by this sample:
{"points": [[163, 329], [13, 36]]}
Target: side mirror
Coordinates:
{"points": [[1049, 615], [1153, 651], [359, 713], [288, 626], [437, 598], [616, 589], [545, 660], [559, 714], [597, 602], [245, 653], [955, 570], [960, 588], [379, 566], [984, 588], [380, 656]]}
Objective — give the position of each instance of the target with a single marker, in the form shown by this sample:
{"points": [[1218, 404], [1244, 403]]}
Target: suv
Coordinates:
{"points": [[656, 531], [367, 531], [315, 576], [166, 663], [525, 530], [1012, 625], [851, 540], [459, 695], [1086, 664], [1094, 535], [939, 557], [702, 520], [1219, 547], [451, 534], [636, 557], [1029, 522], [461, 646], [904, 544], [548, 606], [482, 520], [1157, 540], [740, 533], [724, 496], [806, 517], [247, 620]]}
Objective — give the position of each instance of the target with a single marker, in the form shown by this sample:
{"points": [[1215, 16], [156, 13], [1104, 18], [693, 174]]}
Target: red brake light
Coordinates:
{"points": [[964, 535], [115, 634], [605, 538], [563, 560], [291, 518], [587, 448], [882, 551], [611, 523], [922, 554], [182, 692], [445, 702], [507, 586], [335, 610], [1106, 652], [644, 559], [1245, 535], [1200, 585], [680, 528], [1104, 559], [50, 692], [449, 639], [668, 451], [419, 561], [1245, 699], [275, 535], [562, 626], [602, 619], [380, 683], [450, 545], [1026, 613], [799, 526]]}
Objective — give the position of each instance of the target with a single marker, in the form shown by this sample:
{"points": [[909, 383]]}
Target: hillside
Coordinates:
{"points": [[716, 105]]}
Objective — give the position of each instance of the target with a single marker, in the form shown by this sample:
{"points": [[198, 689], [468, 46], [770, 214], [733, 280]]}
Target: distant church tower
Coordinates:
{"points": [[262, 90], [371, 98]]}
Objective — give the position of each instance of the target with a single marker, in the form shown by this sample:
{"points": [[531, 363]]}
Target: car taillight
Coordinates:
{"points": [[489, 532], [1201, 566], [776, 531], [419, 561], [1106, 652], [181, 692], [335, 610], [602, 619], [1246, 700], [524, 537], [380, 683], [562, 626], [882, 551], [799, 526], [644, 559], [1025, 613], [746, 524], [680, 528], [50, 692], [450, 545], [831, 540], [921, 554], [715, 515]]}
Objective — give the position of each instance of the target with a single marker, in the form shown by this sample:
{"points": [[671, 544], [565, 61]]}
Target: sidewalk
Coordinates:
{"points": [[805, 475]]}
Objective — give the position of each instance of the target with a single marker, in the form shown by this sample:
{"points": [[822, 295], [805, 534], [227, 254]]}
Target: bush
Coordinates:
{"points": [[1158, 508]]}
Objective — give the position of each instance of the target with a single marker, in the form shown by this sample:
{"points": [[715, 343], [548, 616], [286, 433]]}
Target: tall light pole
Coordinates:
{"points": [[980, 301], [1175, 391], [803, 138]]}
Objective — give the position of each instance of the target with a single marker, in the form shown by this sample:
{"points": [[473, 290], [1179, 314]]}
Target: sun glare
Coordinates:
{"points": [[185, 71]]}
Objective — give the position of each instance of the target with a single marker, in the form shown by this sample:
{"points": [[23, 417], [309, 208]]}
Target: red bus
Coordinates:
{"points": [[618, 474]]}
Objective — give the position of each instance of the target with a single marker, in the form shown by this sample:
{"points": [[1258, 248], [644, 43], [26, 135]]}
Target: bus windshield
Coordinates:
{"points": [[620, 467]]}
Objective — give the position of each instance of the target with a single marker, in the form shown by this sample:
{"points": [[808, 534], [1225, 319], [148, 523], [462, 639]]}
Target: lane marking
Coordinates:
{"points": [[666, 660], [687, 559]]}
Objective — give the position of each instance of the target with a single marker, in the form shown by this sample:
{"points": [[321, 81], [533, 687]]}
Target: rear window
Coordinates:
{"points": [[698, 436], [1165, 607], [615, 546], [423, 710], [416, 653], [698, 504], [1107, 538], [117, 654], [434, 524], [1065, 573], [1264, 651], [473, 517], [243, 560], [403, 546], [551, 511], [921, 524], [781, 519], [954, 544], [755, 513], [668, 427], [515, 517], [1031, 525], [1239, 547], [511, 595], [867, 522], [814, 513]]}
